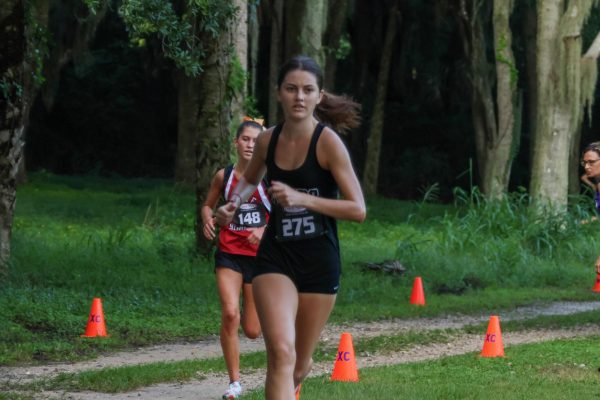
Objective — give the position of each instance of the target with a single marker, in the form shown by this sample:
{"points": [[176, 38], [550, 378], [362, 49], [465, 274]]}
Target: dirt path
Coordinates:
{"points": [[211, 386]]}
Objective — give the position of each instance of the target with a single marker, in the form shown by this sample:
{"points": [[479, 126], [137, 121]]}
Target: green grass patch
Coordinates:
{"points": [[131, 242], [562, 369], [127, 378], [16, 396]]}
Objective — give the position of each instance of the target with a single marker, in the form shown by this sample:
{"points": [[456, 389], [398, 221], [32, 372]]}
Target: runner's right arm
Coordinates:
{"points": [[212, 198]]}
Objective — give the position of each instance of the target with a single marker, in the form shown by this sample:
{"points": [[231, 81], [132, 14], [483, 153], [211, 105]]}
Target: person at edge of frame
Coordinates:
{"points": [[590, 161]]}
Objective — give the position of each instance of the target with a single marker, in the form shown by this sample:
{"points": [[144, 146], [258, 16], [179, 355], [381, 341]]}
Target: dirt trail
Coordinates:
{"points": [[211, 386]]}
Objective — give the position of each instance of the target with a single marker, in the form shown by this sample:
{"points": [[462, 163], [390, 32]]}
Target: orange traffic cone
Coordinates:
{"points": [[597, 284], [95, 326], [344, 368], [417, 297], [297, 391], [492, 346]]}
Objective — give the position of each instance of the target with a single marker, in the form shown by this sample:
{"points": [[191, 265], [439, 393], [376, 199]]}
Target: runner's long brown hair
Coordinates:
{"points": [[338, 111]]}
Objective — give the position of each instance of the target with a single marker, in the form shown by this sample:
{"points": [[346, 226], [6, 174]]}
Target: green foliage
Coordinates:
{"points": [[503, 242], [251, 107], [12, 90], [501, 46], [238, 77], [185, 35], [38, 43], [343, 48], [93, 5]]}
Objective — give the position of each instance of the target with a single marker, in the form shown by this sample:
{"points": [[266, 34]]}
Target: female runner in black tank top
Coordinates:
{"points": [[297, 275]]}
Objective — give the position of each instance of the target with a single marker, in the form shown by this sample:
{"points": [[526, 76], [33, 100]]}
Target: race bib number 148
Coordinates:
{"points": [[250, 215]]}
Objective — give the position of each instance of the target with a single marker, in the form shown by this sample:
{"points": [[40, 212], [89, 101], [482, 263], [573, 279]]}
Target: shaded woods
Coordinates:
{"points": [[454, 93]]}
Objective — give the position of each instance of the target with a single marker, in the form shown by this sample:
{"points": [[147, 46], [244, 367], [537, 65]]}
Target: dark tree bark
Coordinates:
{"points": [[275, 57], [187, 116], [12, 103], [213, 141], [336, 18], [371, 173]]}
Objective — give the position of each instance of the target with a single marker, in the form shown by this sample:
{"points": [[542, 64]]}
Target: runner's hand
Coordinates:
{"points": [[255, 235], [225, 214], [285, 195], [209, 229]]}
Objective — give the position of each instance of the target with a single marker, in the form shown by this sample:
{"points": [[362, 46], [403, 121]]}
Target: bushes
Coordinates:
{"points": [[478, 243]]}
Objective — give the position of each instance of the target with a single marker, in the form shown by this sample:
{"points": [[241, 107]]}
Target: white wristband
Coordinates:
{"points": [[236, 200], [243, 190]]}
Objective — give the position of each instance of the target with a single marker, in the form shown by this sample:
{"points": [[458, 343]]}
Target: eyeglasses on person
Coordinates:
{"points": [[589, 162]]}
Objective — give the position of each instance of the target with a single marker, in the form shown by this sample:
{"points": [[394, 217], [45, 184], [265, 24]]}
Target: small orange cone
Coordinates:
{"points": [[597, 284], [95, 326], [344, 368], [297, 391], [492, 345], [417, 297]]}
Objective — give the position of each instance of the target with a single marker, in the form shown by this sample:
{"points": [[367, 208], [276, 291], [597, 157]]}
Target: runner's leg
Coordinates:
{"points": [[250, 323], [229, 283], [313, 311], [277, 302]]}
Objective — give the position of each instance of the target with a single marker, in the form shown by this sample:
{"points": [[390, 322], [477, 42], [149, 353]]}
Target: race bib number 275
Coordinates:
{"points": [[298, 224]]}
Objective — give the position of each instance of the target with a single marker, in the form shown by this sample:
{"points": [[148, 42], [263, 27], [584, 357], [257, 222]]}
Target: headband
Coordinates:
{"points": [[259, 121]]}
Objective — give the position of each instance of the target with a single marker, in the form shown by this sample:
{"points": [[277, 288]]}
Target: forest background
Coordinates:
{"points": [[497, 95]]}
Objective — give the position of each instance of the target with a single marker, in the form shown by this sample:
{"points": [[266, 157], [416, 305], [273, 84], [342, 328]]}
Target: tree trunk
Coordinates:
{"points": [[371, 173], [240, 41], [253, 41], [12, 58], [213, 139], [313, 28], [305, 24], [529, 34], [559, 106], [187, 114], [501, 148], [493, 119], [365, 22], [336, 18], [193, 108], [275, 58]]}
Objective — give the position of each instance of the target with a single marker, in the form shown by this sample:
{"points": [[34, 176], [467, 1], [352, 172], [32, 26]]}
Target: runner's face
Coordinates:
{"points": [[244, 144], [591, 159], [299, 94]]}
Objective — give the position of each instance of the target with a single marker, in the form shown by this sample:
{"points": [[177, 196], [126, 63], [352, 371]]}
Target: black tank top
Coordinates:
{"points": [[297, 223]]}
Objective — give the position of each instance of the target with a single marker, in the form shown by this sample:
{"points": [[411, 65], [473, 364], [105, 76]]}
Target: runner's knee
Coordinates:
{"points": [[230, 318]]}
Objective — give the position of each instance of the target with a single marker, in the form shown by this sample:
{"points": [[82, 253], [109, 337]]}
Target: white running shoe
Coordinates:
{"points": [[233, 392]]}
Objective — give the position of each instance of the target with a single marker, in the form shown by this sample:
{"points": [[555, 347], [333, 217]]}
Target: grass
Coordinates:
{"points": [[551, 370], [127, 378], [131, 242]]}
